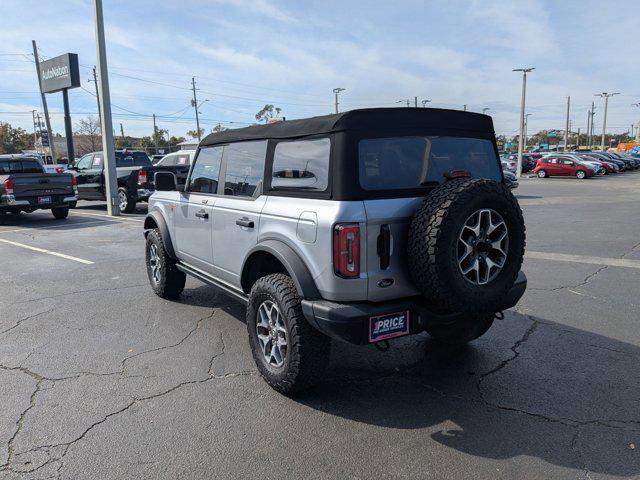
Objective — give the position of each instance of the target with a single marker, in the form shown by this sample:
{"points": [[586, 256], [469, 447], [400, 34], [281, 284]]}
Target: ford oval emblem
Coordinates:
{"points": [[385, 282]]}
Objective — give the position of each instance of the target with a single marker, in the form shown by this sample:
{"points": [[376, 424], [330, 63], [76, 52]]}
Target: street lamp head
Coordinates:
{"points": [[338, 90], [524, 70]]}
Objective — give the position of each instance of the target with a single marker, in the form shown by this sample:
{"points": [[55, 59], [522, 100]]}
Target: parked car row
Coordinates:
{"points": [[585, 164]]}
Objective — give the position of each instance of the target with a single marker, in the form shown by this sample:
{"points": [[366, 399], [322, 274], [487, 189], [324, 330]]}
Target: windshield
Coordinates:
{"points": [[410, 162]]}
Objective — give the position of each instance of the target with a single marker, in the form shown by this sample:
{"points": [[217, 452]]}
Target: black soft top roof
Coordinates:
{"points": [[362, 119]]}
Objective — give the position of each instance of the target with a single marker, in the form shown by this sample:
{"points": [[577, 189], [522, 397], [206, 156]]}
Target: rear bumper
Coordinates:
{"points": [[31, 203], [350, 321]]}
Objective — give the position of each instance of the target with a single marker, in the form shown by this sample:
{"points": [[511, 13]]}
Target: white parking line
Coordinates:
{"points": [[564, 257], [36, 228], [48, 252], [117, 219]]}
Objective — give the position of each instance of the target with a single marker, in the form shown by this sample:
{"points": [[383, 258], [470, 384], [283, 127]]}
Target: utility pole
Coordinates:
{"points": [[122, 132], [194, 102], [336, 91], [95, 81], [522, 107], [464, 107], [416, 102], [638, 129], [590, 132], [578, 140], [108, 147], [35, 135], [566, 129], [588, 126], [606, 96], [44, 101], [155, 130], [526, 128]]}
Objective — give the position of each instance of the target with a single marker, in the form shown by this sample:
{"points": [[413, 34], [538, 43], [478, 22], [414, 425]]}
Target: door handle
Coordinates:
{"points": [[245, 222], [202, 214]]}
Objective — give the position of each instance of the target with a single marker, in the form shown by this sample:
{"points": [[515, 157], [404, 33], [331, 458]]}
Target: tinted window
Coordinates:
{"points": [[245, 168], [31, 166], [301, 165], [409, 162], [206, 171], [10, 166]]}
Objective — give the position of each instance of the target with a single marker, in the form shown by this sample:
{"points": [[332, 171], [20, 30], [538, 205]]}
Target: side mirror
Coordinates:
{"points": [[165, 181]]}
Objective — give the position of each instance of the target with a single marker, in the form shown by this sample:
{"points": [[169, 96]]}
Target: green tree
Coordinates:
{"points": [[218, 128], [267, 113], [194, 133], [14, 140], [173, 140]]}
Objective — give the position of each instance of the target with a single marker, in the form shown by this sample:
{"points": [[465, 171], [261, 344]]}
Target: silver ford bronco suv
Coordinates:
{"points": [[362, 226]]}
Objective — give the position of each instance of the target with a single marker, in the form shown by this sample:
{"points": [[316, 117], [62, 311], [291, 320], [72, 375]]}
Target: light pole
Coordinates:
{"points": [[526, 128], [407, 101], [336, 91], [638, 129], [424, 103], [606, 96], [484, 110], [108, 147], [522, 105]]}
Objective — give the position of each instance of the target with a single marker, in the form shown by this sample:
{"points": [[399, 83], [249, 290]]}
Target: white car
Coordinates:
{"points": [[181, 157]]}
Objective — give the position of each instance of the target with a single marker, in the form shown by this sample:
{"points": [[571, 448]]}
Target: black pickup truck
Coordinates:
{"points": [[135, 177], [25, 187]]}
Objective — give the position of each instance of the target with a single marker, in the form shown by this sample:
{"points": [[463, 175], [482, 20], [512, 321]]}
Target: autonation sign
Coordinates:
{"points": [[59, 73]]}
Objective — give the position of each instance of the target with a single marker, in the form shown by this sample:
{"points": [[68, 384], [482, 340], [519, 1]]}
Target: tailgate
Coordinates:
{"points": [[41, 184], [388, 222]]}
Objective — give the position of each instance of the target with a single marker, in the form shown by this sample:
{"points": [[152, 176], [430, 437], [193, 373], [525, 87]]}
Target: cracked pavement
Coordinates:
{"points": [[102, 379]]}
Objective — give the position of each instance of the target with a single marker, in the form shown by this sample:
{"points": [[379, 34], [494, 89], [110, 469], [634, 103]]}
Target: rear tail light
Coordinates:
{"points": [[59, 169], [8, 186], [346, 250], [142, 177], [74, 184]]}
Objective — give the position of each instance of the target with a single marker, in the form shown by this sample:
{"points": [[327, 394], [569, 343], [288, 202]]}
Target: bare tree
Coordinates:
{"points": [[87, 135]]}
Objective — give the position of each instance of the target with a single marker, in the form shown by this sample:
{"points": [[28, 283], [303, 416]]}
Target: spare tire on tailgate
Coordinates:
{"points": [[466, 244]]}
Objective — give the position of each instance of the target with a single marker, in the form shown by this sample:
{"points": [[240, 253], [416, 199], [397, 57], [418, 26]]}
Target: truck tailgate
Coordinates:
{"points": [[29, 185]]}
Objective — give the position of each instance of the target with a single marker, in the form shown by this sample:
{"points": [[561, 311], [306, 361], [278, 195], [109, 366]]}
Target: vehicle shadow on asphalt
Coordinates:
{"points": [[564, 395], [27, 221], [530, 387]]}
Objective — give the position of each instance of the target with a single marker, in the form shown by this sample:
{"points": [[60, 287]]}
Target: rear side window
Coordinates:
{"points": [[31, 166], [206, 171], [411, 162], [182, 159], [301, 165], [245, 168]]}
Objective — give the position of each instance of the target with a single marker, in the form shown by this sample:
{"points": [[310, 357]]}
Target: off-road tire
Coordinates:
{"points": [[130, 206], [433, 243], [462, 331], [307, 349], [172, 280], [60, 213]]}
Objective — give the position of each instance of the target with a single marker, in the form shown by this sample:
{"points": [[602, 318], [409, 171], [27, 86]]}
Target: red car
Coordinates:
{"points": [[561, 167]]}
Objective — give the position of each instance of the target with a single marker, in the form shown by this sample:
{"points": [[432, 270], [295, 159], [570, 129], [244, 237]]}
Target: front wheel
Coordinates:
{"points": [[461, 332], [580, 174], [542, 174], [290, 354], [165, 279], [60, 213]]}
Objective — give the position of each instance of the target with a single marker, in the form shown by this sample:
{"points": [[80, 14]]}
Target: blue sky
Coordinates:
{"points": [[293, 53]]}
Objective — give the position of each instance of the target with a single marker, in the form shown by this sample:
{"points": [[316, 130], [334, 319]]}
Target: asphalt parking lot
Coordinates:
{"points": [[101, 379]]}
